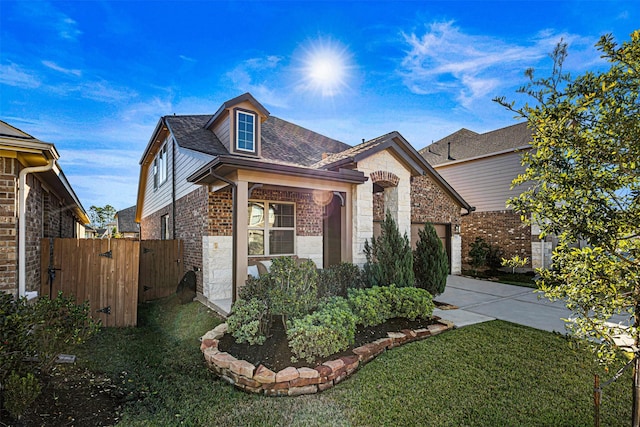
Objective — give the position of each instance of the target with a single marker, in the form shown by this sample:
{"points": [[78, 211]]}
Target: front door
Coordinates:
{"points": [[333, 232]]}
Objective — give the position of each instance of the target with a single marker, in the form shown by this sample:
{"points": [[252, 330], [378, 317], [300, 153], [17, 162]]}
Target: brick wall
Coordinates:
{"points": [[308, 212], [429, 203], [8, 226], [220, 213], [499, 228], [191, 223]]}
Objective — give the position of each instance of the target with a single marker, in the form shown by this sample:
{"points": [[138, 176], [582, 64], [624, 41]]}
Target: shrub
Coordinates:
{"points": [[20, 392], [389, 257], [412, 303], [248, 321], [294, 289], [328, 330], [478, 253], [44, 328], [371, 306], [430, 263], [256, 287], [338, 279], [16, 340]]}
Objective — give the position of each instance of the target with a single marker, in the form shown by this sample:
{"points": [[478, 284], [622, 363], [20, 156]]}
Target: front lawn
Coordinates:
{"points": [[518, 279], [489, 374]]}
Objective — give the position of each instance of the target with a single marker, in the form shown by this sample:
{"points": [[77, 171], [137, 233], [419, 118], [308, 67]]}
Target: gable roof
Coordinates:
{"points": [[126, 220], [401, 147], [465, 144], [34, 152], [282, 141], [288, 142], [190, 132], [237, 100]]}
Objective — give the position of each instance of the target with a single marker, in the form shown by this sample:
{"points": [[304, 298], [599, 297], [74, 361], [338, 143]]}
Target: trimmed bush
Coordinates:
{"points": [[256, 287], [328, 330], [338, 279], [412, 303], [371, 306], [389, 257], [248, 321], [430, 263]]}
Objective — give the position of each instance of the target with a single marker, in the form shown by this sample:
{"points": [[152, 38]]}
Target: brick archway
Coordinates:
{"points": [[385, 179]]}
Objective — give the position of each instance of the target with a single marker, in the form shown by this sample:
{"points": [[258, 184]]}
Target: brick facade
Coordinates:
{"points": [[47, 216], [502, 229], [429, 203], [308, 212]]}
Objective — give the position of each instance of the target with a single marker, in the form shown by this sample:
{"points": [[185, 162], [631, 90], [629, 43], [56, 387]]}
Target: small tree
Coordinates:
{"points": [[430, 263], [389, 257], [583, 176], [101, 216], [479, 252]]}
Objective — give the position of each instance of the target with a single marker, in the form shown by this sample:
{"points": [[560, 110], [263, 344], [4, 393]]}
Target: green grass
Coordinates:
{"points": [[491, 374], [518, 279]]}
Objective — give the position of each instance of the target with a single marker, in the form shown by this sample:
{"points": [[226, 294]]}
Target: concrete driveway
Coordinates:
{"points": [[482, 300]]}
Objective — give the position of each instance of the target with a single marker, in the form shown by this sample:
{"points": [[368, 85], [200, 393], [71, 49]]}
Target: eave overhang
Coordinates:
{"points": [[225, 165]]}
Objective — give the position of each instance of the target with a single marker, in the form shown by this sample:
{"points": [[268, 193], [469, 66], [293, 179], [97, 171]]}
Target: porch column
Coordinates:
{"points": [[242, 238], [346, 218]]}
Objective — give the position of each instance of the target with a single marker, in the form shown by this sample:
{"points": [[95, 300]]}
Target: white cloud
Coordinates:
{"points": [[52, 65], [48, 16], [471, 67], [13, 75], [253, 75]]}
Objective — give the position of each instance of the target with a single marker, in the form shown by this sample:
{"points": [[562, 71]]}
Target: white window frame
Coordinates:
{"points": [[267, 227], [160, 167], [253, 133], [164, 227]]}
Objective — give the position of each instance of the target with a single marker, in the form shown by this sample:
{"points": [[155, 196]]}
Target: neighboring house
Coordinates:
{"points": [[90, 232], [37, 201], [481, 168], [241, 185], [126, 225]]}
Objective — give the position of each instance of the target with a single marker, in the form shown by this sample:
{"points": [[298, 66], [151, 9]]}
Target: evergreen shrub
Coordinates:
{"points": [[389, 257], [430, 263]]}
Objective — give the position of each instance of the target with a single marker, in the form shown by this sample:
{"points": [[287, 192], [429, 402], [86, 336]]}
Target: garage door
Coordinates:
{"points": [[443, 231]]}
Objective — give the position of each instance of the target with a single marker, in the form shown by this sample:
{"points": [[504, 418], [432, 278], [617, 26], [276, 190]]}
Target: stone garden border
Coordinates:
{"points": [[297, 381]]}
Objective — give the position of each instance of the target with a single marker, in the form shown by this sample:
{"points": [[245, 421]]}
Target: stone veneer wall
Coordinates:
{"points": [[499, 228], [293, 381]]}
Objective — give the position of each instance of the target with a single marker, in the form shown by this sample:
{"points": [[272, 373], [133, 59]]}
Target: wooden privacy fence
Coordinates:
{"points": [[112, 274]]}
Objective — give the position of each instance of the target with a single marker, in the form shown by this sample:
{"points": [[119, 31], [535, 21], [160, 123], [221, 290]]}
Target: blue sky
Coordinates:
{"points": [[94, 77]]}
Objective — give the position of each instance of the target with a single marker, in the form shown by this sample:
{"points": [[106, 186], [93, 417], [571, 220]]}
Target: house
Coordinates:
{"points": [[37, 202], [481, 168], [126, 225], [241, 185]]}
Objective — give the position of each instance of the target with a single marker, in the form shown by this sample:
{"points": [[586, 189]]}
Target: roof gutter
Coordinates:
{"points": [[22, 223]]}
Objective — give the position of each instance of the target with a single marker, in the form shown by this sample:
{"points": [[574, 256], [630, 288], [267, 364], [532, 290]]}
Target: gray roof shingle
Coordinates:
{"points": [[466, 144], [190, 133], [127, 220]]}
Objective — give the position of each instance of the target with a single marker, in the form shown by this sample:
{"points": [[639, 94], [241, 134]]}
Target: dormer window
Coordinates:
{"points": [[245, 131]]}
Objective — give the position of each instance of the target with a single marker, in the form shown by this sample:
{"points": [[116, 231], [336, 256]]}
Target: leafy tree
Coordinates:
{"points": [[430, 262], [101, 216], [389, 257], [584, 184], [479, 252]]}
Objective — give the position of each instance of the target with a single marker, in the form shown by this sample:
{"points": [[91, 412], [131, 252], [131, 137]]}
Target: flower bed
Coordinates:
{"points": [[293, 381]]}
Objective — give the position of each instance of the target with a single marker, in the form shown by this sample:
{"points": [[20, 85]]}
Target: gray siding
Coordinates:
{"points": [[186, 163], [485, 183], [223, 132]]}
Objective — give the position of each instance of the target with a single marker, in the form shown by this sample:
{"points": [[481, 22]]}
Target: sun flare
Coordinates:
{"points": [[326, 68]]}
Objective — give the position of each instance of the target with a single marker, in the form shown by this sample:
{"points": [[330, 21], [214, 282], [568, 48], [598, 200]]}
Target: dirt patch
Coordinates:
{"points": [[72, 396], [276, 355]]}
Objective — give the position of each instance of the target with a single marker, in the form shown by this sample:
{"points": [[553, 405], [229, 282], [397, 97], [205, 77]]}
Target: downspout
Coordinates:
{"points": [[22, 223], [234, 228], [173, 186]]}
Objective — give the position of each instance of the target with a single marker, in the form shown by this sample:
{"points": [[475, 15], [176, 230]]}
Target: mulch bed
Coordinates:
{"points": [[72, 396], [276, 355]]}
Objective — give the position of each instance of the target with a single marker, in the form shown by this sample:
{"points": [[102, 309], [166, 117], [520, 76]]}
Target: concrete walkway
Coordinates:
{"points": [[482, 300]]}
